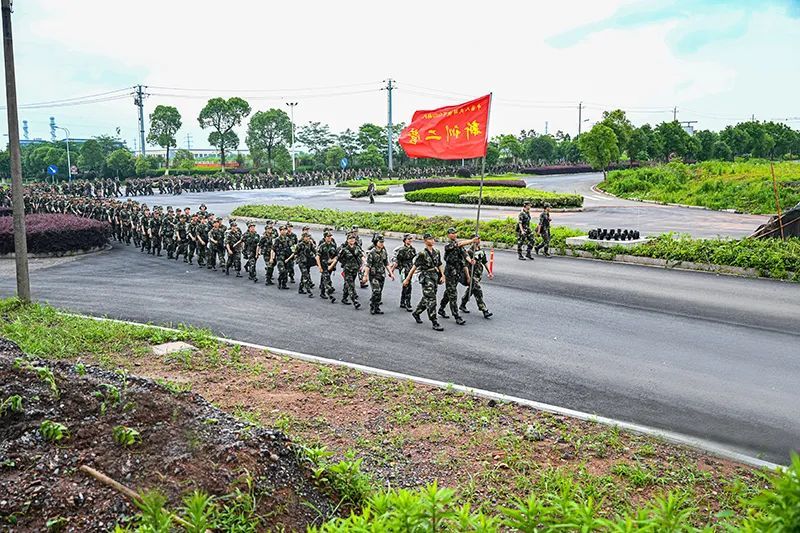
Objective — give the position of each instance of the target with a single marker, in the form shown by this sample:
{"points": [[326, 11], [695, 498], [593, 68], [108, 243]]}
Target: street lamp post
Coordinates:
{"points": [[69, 163], [291, 116]]}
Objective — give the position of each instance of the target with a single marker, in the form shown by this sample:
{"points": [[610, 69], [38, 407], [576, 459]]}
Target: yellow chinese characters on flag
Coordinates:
{"points": [[453, 132]]}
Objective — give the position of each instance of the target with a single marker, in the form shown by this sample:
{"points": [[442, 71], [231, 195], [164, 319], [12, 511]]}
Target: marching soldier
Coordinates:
{"points": [[265, 250], [305, 253], [251, 241], [474, 286], [377, 265], [524, 235], [292, 236], [455, 267], [403, 260], [543, 229], [326, 263], [233, 245], [351, 258], [282, 249], [201, 241], [431, 274], [181, 238], [215, 237]]}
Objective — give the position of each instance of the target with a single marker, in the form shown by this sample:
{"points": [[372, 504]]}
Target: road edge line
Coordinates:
{"points": [[669, 436]]}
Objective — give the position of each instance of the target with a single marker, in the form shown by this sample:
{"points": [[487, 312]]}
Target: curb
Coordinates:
{"points": [[579, 254], [676, 438], [53, 255]]}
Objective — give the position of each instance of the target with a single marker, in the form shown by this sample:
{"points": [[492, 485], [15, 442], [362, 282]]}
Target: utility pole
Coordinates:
{"points": [[189, 141], [580, 118], [17, 202], [138, 100], [675, 114], [545, 127], [69, 163], [389, 134], [291, 118]]}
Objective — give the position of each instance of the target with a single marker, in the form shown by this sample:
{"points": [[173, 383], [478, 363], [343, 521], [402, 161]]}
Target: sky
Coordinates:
{"points": [[718, 61]]}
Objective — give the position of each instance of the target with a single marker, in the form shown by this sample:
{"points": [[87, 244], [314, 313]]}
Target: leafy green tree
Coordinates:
{"points": [[120, 162], [165, 121], [266, 131], [91, 157], [371, 134], [333, 156], [706, 140], [316, 137], [640, 143], [47, 154], [670, 138], [371, 158], [143, 166], [540, 148], [223, 115], [510, 147], [620, 125], [348, 140], [109, 143], [5, 164], [599, 147], [492, 153], [182, 155], [568, 150], [282, 159], [722, 151]]}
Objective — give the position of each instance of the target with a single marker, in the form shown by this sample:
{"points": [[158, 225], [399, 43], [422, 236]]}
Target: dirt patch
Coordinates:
{"points": [[186, 443]]}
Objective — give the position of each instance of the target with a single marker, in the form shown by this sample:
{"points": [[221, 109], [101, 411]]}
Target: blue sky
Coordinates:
{"points": [[718, 61]]}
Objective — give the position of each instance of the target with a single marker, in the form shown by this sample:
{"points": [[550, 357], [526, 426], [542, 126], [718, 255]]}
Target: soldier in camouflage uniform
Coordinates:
{"points": [[265, 250], [474, 287], [282, 249], [524, 235], [403, 260], [201, 240], [326, 262], [143, 228], [375, 269], [233, 244], [191, 233], [543, 229], [292, 236], [455, 264], [168, 233], [215, 237], [350, 256], [251, 240], [305, 254], [431, 274], [181, 238], [154, 229]]}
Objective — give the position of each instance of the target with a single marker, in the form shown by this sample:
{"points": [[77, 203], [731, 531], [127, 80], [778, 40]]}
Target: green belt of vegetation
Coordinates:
{"points": [[361, 192], [771, 257], [743, 186], [364, 183], [494, 196]]}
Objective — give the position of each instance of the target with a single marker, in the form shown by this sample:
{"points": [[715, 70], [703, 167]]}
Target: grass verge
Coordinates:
{"points": [[744, 186], [494, 196], [387, 446]]}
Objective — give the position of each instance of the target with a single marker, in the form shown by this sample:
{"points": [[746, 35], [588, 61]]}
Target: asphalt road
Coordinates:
{"points": [[601, 210], [709, 356]]}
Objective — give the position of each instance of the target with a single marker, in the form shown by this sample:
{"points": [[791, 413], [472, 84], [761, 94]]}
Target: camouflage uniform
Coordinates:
{"points": [[154, 228], [474, 288], [233, 243], [455, 259], [403, 259], [265, 244], [201, 242], [524, 235], [350, 258], [377, 261], [215, 236], [326, 252], [544, 230], [191, 230], [181, 239], [168, 235], [251, 241], [428, 264], [305, 254], [283, 249], [292, 236]]}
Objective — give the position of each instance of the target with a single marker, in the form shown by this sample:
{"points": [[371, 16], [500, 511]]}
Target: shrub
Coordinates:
{"points": [[55, 233], [495, 196], [365, 182], [5, 211], [571, 169], [416, 185], [361, 192]]}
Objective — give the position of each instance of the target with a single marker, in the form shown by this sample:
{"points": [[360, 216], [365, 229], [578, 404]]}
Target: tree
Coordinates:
{"points": [[706, 140], [371, 158], [568, 150], [91, 157], [722, 151], [143, 166], [316, 137], [670, 138], [599, 147], [333, 156], [640, 143], [492, 153], [223, 115], [266, 131], [541, 148], [371, 134], [5, 164], [165, 121], [121, 162], [620, 125], [510, 147], [47, 154], [348, 140]]}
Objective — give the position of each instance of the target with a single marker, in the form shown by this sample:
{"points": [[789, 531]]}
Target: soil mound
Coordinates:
{"points": [[185, 443]]}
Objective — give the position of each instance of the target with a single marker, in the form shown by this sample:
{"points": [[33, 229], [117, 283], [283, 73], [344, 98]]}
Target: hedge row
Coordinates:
{"points": [[361, 192], [497, 230], [495, 196], [364, 183], [416, 185], [55, 233], [6, 212], [572, 169]]}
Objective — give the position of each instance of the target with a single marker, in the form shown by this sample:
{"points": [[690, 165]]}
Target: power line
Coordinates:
{"points": [[285, 90]]}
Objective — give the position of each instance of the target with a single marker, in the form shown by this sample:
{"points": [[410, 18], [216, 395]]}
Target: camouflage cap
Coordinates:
{"points": [[282, 227], [353, 227], [289, 225], [476, 235], [269, 222], [327, 234], [547, 206], [379, 238], [427, 236], [407, 236], [451, 230], [203, 206], [526, 204], [232, 223], [251, 225], [306, 234]]}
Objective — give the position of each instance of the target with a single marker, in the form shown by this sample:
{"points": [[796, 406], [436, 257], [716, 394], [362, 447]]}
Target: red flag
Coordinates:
{"points": [[452, 132]]}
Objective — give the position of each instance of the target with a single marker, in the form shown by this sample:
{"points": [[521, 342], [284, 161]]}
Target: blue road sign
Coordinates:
{"points": [[52, 170], [343, 163]]}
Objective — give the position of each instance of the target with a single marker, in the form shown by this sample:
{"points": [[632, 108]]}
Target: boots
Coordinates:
{"points": [[463, 309], [443, 314], [416, 317], [437, 327], [460, 321], [487, 314]]}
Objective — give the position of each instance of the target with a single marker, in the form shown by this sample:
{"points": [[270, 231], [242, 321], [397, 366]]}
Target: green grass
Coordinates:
{"points": [[744, 186], [494, 196], [501, 231], [361, 192], [364, 183]]}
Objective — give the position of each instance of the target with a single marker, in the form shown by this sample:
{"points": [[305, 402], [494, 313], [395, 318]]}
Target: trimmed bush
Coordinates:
{"points": [[55, 234], [495, 196], [6, 212], [361, 192], [572, 169], [417, 185], [364, 183]]}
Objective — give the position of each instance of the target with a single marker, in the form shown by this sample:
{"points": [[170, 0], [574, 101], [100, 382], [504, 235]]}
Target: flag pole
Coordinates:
{"points": [[480, 194]]}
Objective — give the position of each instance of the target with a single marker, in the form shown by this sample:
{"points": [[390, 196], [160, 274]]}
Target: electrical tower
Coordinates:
{"points": [[389, 135], [25, 129], [138, 101], [53, 129], [580, 117]]}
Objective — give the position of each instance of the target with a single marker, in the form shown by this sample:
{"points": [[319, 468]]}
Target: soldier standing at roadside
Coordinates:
{"points": [[431, 274], [543, 229], [403, 260], [524, 235], [375, 270]]}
